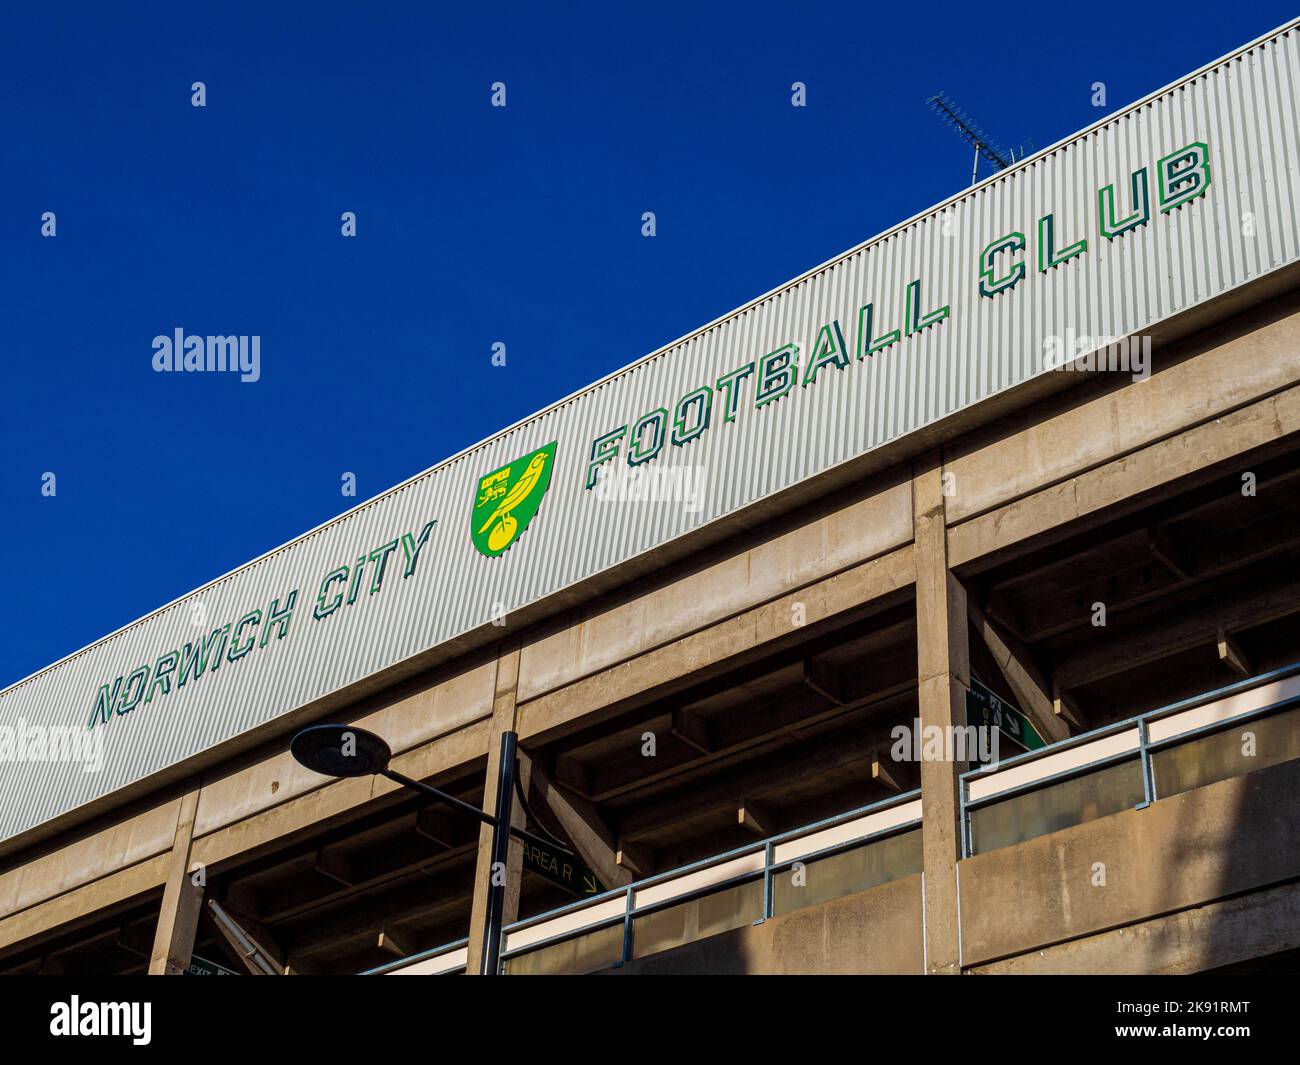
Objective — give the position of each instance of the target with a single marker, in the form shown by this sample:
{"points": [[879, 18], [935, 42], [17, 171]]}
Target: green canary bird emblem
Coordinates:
{"points": [[508, 498]]}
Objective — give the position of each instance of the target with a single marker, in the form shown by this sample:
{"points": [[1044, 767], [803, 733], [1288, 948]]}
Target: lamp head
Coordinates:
{"points": [[340, 751]]}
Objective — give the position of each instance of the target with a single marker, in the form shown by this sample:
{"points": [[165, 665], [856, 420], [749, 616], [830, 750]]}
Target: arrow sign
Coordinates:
{"points": [[983, 707], [561, 870]]}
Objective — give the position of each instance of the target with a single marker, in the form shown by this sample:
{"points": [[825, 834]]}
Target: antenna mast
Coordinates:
{"points": [[970, 131]]}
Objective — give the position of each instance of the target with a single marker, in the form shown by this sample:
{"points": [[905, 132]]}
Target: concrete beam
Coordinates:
{"points": [[756, 817], [503, 720], [335, 865], [730, 734], [418, 898], [573, 774], [1017, 666], [817, 758], [1164, 551], [304, 814], [446, 827], [1065, 708], [1231, 655], [1127, 482], [943, 672], [394, 944], [85, 860], [1061, 442], [1190, 630], [825, 681], [581, 821], [885, 774], [750, 635], [182, 901], [640, 862], [66, 911], [693, 729], [842, 531]]}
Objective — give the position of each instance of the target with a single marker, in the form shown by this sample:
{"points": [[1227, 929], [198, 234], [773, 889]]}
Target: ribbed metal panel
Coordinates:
{"points": [[1244, 107]]}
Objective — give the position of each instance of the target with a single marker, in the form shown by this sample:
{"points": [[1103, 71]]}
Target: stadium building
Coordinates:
{"points": [[938, 611]]}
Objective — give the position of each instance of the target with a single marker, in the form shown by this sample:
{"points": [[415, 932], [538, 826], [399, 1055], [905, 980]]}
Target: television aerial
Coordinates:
{"points": [[970, 131]]}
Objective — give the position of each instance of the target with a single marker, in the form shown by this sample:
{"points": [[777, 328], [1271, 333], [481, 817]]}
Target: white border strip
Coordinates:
{"points": [[995, 783], [847, 832], [1158, 730], [1225, 709], [567, 922], [435, 966], [699, 880]]}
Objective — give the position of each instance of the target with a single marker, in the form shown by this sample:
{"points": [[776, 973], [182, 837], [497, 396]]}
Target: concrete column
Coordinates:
{"points": [[178, 918], [943, 675], [503, 720]]}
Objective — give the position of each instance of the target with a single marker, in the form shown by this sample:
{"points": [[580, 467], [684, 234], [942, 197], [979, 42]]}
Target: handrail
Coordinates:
{"points": [[770, 865], [607, 915], [1141, 745], [414, 959]]}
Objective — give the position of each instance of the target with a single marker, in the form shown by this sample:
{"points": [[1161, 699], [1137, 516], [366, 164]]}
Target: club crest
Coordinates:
{"points": [[507, 499]]}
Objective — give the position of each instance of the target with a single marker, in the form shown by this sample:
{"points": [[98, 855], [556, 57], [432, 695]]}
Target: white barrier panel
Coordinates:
{"points": [[982, 787], [702, 879], [436, 966], [566, 923], [1224, 709], [869, 825]]}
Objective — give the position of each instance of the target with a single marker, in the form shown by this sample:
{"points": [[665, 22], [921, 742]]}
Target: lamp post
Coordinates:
{"points": [[347, 751]]}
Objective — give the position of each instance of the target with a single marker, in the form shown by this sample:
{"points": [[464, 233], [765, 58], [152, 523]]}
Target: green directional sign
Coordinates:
{"points": [[984, 707], [561, 870], [203, 967]]}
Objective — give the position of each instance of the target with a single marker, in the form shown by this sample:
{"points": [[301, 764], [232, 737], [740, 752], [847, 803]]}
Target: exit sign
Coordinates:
{"points": [[984, 707]]}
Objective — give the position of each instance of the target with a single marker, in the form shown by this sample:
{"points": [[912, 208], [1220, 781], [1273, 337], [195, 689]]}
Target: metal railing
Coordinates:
{"points": [[761, 859], [1136, 738], [453, 957], [767, 858], [1175, 724]]}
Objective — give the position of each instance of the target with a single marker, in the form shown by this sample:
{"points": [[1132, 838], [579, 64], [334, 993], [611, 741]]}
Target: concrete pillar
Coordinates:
{"points": [[503, 720], [943, 675], [178, 917]]}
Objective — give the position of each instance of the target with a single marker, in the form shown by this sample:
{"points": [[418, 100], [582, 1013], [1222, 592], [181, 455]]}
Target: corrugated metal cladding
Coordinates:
{"points": [[1244, 108]]}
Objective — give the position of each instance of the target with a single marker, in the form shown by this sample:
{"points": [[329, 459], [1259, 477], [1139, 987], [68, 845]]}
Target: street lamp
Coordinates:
{"points": [[347, 751]]}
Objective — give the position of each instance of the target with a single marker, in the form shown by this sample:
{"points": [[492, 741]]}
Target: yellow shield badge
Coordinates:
{"points": [[508, 498]]}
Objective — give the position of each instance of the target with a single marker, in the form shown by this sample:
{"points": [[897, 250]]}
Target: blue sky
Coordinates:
{"points": [[474, 225]]}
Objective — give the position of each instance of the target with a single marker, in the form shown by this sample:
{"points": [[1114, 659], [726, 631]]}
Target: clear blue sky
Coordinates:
{"points": [[475, 225]]}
